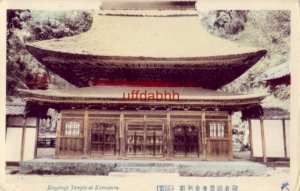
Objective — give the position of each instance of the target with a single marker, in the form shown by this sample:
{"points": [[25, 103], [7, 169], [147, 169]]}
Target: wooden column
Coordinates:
{"points": [[250, 138], [263, 141], [37, 136], [122, 135], [6, 124], [58, 134], [23, 138], [117, 139], [203, 128], [86, 131], [169, 136], [284, 138], [230, 154], [200, 139], [145, 128]]}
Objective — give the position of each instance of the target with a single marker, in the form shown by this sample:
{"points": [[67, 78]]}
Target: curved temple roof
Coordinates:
{"points": [[171, 40], [114, 95], [146, 36], [278, 71]]}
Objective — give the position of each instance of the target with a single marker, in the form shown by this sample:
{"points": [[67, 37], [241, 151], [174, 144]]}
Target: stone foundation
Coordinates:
{"points": [[104, 167]]}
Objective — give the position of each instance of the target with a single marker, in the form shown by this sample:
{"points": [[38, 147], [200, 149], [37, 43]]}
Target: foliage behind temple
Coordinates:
{"points": [[268, 30], [25, 26]]}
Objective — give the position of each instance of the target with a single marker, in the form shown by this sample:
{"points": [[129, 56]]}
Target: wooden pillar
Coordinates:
{"points": [[263, 141], [230, 154], [122, 135], [23, 138], [250, 138], [117, 139], [58, 134], [203, 128], [6, 124], [169, 136], [145, 128], [200, 139], [37, 136], [86, 131], [284, 138]]}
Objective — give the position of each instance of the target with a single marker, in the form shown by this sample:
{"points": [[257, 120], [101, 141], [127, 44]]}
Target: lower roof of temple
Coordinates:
{"points": [[144, 97]]}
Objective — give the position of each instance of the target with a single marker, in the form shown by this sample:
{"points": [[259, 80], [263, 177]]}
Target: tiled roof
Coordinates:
{"points": [[15, 108], [145, 36], [118, 93], [276, 113], [143, 45], [277, 72]]}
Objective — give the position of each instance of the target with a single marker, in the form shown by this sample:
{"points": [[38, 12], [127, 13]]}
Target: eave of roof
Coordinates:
{"points": [[15, 109], [276, 72], [276, 114], [112, 94]]}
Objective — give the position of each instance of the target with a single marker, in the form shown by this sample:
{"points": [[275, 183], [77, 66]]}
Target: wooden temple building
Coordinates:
{"points": [[270, 135], [146, 77], [278, 75]]}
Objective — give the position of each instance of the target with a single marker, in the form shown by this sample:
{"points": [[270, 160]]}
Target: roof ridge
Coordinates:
{"points": [[147, 4], [149, 13]]}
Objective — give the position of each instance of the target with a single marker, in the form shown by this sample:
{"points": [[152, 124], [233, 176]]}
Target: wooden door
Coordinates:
{"points": [[135, 140], [71, 137], [145, 139], [155, 140], [103, 138], [187, 140], [218, 140]]}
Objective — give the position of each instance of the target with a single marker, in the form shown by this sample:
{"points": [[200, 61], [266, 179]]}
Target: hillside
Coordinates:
{"points": [[23, 26], [268, 30]]}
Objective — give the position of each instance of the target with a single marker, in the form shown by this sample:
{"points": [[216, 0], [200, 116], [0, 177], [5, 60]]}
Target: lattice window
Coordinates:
{"points": [[217, 129], [72, 128]]}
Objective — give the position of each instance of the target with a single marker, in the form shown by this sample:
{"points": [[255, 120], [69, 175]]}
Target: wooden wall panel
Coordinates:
{"points": [[74, 146]]}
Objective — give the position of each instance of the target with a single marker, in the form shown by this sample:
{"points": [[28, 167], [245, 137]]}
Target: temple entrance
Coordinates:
{"points": [[145, 139], [194, 135], [103, 138], [187, 139]]}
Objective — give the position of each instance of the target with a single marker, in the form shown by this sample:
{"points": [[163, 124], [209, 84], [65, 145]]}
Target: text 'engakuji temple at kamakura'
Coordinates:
{"points": [[144, 49]]}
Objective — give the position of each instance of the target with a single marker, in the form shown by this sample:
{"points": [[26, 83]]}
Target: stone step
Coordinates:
{"points": [[139, 174], [146, 169], [144, 164]]}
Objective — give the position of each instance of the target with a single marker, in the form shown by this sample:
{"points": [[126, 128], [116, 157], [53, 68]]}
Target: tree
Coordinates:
{"points": [[269, 30], [23, 70]]}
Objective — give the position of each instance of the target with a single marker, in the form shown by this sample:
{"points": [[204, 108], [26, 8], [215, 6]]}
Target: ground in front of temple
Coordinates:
{"points": [[275, 178]]}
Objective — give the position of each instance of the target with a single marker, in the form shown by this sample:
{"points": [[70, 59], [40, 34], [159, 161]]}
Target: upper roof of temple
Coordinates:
{"points": [[146, 45]]}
